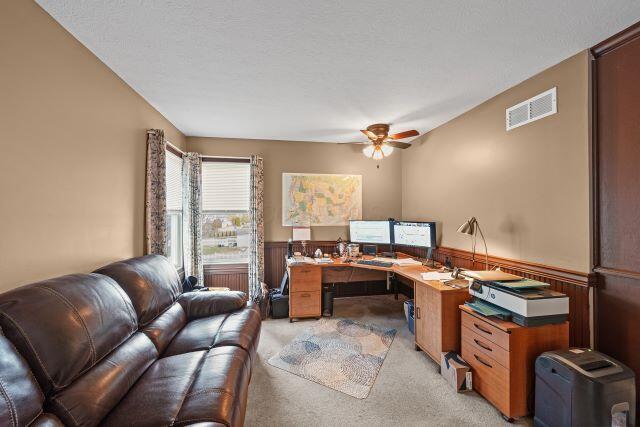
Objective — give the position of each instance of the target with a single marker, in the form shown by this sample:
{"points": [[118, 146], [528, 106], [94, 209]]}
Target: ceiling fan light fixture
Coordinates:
{"points": [[378, 147], [368, 151]]}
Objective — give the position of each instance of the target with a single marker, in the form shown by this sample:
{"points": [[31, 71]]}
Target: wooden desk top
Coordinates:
{"points": [[411, 272]]}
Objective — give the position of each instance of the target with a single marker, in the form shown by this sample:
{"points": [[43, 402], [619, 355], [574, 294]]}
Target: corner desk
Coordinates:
{"points": [[437, 317]]}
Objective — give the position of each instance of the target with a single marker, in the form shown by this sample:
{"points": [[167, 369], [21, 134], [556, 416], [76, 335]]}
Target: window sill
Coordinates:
{"points": [[226, 268]]}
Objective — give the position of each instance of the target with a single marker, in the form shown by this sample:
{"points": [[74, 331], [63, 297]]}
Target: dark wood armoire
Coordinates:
{"points": [[616, 196]]}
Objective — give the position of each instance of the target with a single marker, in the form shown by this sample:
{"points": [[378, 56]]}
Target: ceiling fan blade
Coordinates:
{"points": [[372, 136], [398, 144], [357, 143], [405, 134]]}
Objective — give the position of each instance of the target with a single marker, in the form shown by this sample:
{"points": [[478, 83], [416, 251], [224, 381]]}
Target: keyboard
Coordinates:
{"points": [[374, 263]]}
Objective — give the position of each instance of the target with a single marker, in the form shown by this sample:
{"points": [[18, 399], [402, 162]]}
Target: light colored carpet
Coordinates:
{"points": [[409, 390], [342, 354]]}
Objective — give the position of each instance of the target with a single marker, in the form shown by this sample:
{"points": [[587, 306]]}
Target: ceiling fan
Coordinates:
{"points": [[381, 144]]}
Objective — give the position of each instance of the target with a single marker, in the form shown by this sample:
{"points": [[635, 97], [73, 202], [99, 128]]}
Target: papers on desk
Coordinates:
{"points": [[435, 275], [324, 260], [301, 260], [398, 261]]}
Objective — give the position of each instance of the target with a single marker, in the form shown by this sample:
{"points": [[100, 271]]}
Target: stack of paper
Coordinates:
{"points": [[434, 275]]}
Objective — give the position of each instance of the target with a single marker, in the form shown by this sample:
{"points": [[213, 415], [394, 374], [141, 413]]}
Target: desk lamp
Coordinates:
{"points": [[471, 227]]}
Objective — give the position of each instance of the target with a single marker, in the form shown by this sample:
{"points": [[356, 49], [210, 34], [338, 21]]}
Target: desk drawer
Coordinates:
{"points": [[305, 278], [305, 304], [485, 330], [486, 346], [490, 379]]}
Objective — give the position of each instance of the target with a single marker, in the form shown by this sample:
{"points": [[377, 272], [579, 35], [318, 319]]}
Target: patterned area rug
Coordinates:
{"points": [[341, 354]]}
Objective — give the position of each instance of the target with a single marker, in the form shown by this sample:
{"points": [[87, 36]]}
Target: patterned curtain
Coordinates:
{"points": [[192, 215], [256, 249], [156, 194]]}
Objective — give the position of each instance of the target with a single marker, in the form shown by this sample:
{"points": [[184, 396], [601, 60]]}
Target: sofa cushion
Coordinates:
{"points": [[219, 391], [203, 386], [197, 335], [151, 282], [205, 304], [240, 328], [46, 420], [64, 326], [164, 327], [20, 396], [92, 396]]}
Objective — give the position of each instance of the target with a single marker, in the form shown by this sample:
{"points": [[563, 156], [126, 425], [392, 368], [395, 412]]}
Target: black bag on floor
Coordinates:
{"points": [[280, 299], [279, 304]]}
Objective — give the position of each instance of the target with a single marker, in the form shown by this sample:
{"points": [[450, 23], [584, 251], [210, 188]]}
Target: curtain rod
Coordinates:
{"points": [[174, 147], [212, 158]]}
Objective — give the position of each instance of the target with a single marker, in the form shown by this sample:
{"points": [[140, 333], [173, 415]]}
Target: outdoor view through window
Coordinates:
{"points": [[225, 219], [174, 209]]}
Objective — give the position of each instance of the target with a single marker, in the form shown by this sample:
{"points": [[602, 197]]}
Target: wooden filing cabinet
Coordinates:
{"points": [[437, 321], [305, 291], [502, 357]]}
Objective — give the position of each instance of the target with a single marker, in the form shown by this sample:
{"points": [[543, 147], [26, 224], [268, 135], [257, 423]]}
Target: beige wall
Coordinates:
{"points": [[72, 138], [528, 187], [72, 144], [381, 188]]}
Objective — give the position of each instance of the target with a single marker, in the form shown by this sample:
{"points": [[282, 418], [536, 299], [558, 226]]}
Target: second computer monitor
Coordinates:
{"points": [[412, 233], [376, 232]]}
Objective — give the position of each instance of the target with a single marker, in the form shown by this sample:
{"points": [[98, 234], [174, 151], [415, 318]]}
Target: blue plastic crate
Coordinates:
{"points": [[409, 315]]}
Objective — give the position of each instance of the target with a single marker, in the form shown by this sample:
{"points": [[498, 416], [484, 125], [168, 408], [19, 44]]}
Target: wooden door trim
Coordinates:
{"points": [[618, 273], [617, 40]]}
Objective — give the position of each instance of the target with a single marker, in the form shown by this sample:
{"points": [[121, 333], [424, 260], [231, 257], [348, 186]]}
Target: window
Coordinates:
{"points": [[174, 209], [225, 212]]}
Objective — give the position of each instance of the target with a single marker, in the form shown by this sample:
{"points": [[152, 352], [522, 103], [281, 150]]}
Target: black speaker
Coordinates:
{"points": [[327, 301]]}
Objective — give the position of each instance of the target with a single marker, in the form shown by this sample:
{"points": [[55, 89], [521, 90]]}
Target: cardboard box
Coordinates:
{"points": [[456, 371]]}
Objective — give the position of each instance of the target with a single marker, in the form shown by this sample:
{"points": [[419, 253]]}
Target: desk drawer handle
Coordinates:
{"points": [[480, 328], [481, 345], [482, 361], [304, 295]]}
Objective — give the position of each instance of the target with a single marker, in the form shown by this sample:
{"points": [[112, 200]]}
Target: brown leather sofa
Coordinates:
{"points": [[123, 346]]}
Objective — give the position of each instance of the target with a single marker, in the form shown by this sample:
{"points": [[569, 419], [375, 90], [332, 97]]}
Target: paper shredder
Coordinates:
{"points": [[582, 387]]}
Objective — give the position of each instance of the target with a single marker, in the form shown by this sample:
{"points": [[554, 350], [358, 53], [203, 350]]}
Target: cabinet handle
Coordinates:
{"points": [[481, 345], [304, 295], [480, 328], [418, 313], [482, 361]]}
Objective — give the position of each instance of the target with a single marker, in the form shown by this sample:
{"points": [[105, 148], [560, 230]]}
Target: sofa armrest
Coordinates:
{"points": [[207, 303]]}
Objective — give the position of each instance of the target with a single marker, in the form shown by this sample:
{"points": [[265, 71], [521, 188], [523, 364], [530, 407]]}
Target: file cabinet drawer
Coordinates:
{"points": [[490, 379], [305, 304], [486, 346], [305, 278], [485, 330]]}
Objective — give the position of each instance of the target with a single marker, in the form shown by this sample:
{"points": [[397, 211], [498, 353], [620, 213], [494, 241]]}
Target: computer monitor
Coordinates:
{"points": [[412, 233], [376, 232]]}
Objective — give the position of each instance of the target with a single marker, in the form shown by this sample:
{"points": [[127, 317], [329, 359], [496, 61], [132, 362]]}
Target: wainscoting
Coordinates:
{"points": [[575, 284], [232, 276]]}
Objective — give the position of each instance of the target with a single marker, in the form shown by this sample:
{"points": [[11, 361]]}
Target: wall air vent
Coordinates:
{"points": [[532, 109]]}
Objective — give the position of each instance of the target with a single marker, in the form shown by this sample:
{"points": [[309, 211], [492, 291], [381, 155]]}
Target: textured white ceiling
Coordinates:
{"points": [[320, 70]]}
